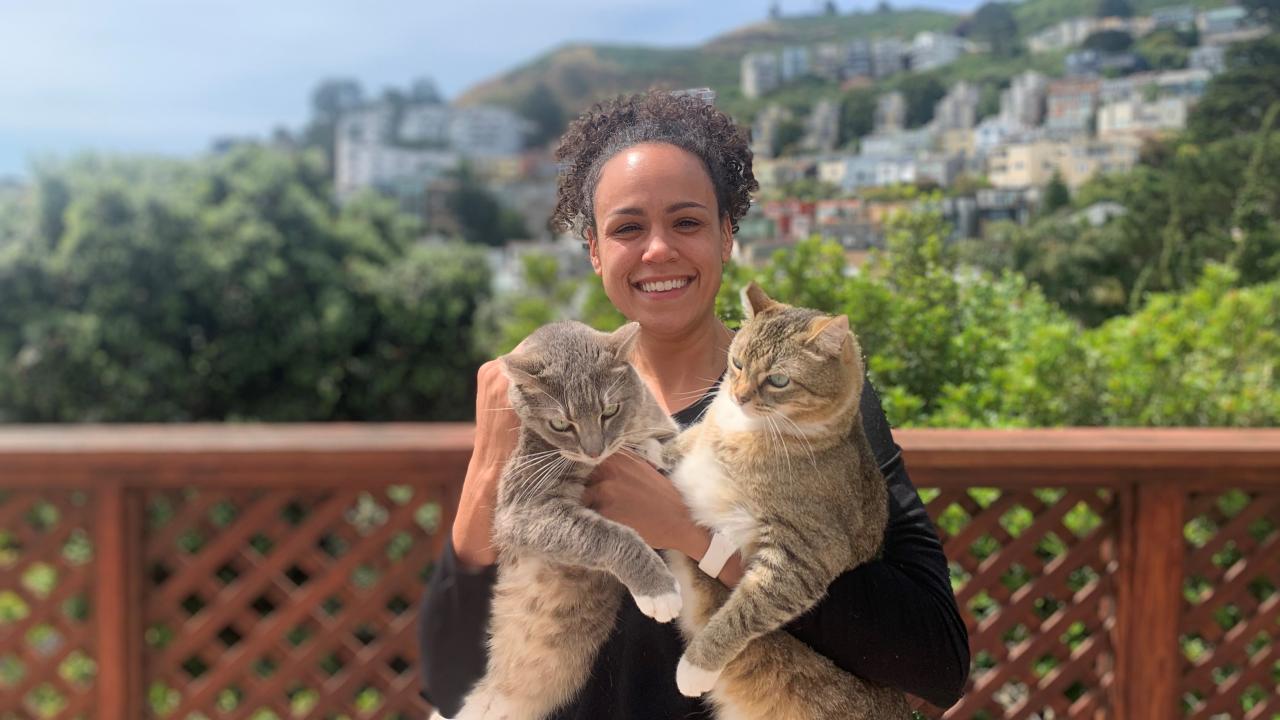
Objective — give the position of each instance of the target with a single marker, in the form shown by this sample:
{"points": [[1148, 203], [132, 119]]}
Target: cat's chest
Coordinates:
{"points": [[714, 498]]}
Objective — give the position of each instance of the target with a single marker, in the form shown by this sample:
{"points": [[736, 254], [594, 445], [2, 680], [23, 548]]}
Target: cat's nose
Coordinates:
{"points": [[742, 399]]}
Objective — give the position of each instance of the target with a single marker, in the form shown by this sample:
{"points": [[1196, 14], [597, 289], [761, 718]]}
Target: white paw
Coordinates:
{"points": [[692, 680], [652, 451], [663, 608]]}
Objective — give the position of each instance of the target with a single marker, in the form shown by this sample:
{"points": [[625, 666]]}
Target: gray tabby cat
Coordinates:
{"points": [[559, 563], [782, 465]]}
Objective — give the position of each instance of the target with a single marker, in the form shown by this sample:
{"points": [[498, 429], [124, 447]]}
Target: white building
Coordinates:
{"points": [[1023, 102], [764, 131], [902, 142], [931, 50], [888, 56], [891, 112], [958, 109], [1142, 119], [761, 74], [822, 131], [401, 148], [795, 63], [1066, 34], [1212, 58], [858, 59], [829, 61], [993, 132], [486, 131]]}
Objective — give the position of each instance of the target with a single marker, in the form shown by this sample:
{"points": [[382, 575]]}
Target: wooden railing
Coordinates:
{"points": [[274, 571]]}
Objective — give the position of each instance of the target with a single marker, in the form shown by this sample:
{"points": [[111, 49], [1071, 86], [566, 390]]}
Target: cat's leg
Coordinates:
{"points": [[547, 625], [780, 583], [575, 535]]}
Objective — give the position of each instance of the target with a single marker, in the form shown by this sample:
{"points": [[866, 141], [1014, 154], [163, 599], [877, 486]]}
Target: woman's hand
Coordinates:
{"points": [[496, 439], [628, 490]]}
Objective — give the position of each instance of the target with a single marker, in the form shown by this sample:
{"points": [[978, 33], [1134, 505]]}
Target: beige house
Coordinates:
{"points": [[1024, 164], [1081, 160]]}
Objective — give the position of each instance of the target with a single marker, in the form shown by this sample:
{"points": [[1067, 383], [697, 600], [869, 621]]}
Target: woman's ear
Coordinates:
{"points": [[593, 249]]}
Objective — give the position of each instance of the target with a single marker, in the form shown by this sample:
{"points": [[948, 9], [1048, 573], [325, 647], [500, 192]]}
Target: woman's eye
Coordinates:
{"points": [[559, 425], [626, 229], [610, 410], [688, 223], [779, 380]]}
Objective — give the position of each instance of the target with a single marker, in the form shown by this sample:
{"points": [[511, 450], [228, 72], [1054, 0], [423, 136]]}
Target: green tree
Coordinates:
{"points": [[1109, 41], [1114, 8], [857, 114], [540, 107], [232, 288], [482, 219], [1056, 195], [1263, 10], [1204, 357], [1235, 100], [788, 135], [1166, 49], [330, 99], [995, 25], [922, 93]]}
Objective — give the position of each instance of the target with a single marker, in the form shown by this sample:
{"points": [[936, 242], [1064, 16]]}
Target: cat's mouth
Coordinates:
{"points": [[664, 287]]}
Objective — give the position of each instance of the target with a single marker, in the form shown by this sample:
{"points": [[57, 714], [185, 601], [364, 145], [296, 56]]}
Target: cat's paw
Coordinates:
{"points": [[653, 451], [692, 680], [663, 608]]}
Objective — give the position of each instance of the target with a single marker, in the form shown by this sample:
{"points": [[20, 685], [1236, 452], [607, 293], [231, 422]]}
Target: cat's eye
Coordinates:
{"points": [[559, 425], [779, 380], [737, 363], [610, 410]]}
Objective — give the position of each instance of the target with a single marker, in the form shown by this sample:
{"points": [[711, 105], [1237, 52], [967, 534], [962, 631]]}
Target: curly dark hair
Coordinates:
{"points": [[685, 121]]}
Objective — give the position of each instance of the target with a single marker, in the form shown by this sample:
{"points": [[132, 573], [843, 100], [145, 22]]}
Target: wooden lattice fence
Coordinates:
{"points": [[247, 572]]}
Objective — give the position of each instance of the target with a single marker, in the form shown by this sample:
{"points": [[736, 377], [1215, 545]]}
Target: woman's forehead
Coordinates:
{"points": [[652, 175]]}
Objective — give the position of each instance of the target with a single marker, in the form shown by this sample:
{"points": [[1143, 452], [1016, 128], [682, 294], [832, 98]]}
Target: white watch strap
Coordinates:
{"points": [[718, 553]]}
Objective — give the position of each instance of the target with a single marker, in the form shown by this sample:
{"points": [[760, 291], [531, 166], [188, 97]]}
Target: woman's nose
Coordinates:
{"points": [[658, 249]]}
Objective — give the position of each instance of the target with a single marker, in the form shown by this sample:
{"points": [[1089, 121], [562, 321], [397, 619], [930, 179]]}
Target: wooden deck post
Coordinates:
{"points": [[118, 602], [1151, 604]]}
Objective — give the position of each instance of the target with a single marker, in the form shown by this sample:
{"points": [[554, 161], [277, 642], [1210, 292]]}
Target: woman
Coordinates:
{"points": [[656, 184]]}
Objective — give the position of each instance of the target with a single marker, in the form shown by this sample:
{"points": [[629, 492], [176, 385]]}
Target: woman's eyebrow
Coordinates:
{"points": [[683, 205]]}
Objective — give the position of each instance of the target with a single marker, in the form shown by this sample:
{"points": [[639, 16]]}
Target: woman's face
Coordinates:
{"points": [[659, 241]]}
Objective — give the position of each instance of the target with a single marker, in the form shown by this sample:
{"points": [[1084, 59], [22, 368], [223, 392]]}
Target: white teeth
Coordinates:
{"points": [[664, 285]]}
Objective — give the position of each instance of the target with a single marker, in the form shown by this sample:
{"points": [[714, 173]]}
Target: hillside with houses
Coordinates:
{"points": [[851, 116]]}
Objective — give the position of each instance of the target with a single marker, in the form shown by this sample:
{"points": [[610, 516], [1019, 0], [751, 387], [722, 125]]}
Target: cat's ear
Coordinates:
{"points": [[520, 368], [754, 301], [827, 334], [623, 340]]}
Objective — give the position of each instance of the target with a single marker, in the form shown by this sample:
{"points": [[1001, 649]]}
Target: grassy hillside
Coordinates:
{"points": [[1033, 15], [580, 74]]}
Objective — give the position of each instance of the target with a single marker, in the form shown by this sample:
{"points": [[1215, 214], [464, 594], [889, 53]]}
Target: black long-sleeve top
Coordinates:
{"points": [[893, 620]]}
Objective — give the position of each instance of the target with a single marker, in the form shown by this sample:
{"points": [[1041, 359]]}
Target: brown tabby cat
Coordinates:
{"points": [[781, 464], [561, 566]]}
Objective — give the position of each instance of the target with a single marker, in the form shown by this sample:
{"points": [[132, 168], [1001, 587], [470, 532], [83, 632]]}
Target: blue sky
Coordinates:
{"points": [[158, 76]]}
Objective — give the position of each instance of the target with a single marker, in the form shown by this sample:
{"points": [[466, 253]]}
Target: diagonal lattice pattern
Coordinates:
{"points": [[47, 664], [287, 604], [1231, 606], [1033, 572]]}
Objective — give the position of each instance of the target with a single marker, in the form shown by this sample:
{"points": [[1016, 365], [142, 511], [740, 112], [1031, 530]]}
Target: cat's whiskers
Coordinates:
{"points": [[782, 444], [529, 459], [545, 476], [798, 434]]}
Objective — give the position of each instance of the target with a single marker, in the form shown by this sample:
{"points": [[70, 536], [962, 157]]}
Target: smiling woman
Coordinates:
{"points": [[656, 184]]}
